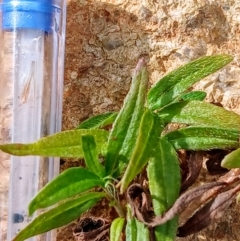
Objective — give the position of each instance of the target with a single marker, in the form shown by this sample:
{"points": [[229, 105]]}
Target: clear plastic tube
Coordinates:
{"points": [[31, 70]]}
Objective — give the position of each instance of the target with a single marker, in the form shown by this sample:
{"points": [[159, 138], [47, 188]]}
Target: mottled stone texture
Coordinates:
{"points": [[105, 38]]}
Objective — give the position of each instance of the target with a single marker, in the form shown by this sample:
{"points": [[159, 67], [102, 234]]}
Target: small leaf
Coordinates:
{"points": [[194, 95], [232, 160], [91, 156], [203, 138], [147, 138], [73, 181], [142, 232], [116, 229], [62, 144], [98, 121], [125, 128], [135, 230], [173, 85], [131, 227], [60, 215], [164, 184], [201, 114]]}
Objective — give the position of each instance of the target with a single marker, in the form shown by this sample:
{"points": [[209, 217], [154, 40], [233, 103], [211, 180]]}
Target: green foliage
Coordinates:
{"points": [[163, 173], [60, 215], [71, 182], [203, 138], [194, 95], [138, 138], [62, 144], [199, 113], [125, 128], [171, 87], [116, 229], [146, 142], [90, 154], [232, 160], [135, 230], [98, 121]]}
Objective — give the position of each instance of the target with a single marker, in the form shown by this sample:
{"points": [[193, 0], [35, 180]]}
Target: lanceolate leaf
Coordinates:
{"points": [[232, 160], [116, 229], [203, 138], [150, 128], [131, 227], [142, 232], [164, 184], [173, 85], [60, 215], [62, 144], [135, 230], [125, 128], [91, 156], [194, 95], [201, 114], [67, 184], [98, 121]]}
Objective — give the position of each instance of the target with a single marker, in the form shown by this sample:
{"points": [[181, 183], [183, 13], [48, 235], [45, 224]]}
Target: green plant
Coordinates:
{"points": [[139, 138]]}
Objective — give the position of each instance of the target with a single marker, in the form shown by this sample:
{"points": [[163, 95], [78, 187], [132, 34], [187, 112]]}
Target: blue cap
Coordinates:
{"points": [[30, 14]]}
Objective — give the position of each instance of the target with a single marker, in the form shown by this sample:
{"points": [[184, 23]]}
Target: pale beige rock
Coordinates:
{"points": [[105, 38]]}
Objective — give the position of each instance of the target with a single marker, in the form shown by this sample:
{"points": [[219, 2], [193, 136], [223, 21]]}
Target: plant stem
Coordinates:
{"points": [[118, 208]]}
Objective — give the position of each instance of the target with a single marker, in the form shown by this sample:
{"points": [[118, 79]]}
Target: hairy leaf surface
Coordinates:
{"points": [[72, 181], [91, 156], [125, 128], [203, 138], [164, 184], [173, 85], [62, 144], [116, 229], [200, 113], [147, 139], [98, 121], [59, 216]]}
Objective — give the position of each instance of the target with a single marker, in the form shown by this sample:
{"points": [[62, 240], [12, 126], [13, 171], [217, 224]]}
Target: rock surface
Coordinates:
{"points": [[105, 38]]}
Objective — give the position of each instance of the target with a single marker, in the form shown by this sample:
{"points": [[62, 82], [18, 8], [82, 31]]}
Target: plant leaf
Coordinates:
{"points": [[131, 227], [62, 144], [60, 215], [150, 128], [164, 184], [201, 114], [232, 160], [173, 85], [125, 127], [142, 232], [116, 229], [194, 95], [98, 121], [72, 181], [91, 156], [135, 230], [203, 138]]}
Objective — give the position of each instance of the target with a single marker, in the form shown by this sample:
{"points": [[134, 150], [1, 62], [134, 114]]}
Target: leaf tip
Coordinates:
{"points": [[140, 65]]}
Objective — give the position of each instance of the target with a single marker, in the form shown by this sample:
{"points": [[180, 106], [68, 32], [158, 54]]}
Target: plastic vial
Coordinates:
{"points": [[32, 40]]}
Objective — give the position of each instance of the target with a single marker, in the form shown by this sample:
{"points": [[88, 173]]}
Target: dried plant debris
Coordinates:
{"points": [[213, 163], [92, 229], [192, 169], [214, 209], [196, 207]]}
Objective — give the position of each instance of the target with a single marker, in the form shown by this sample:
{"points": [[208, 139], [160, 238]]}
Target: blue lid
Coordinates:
{"points": [[31, 14]]}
